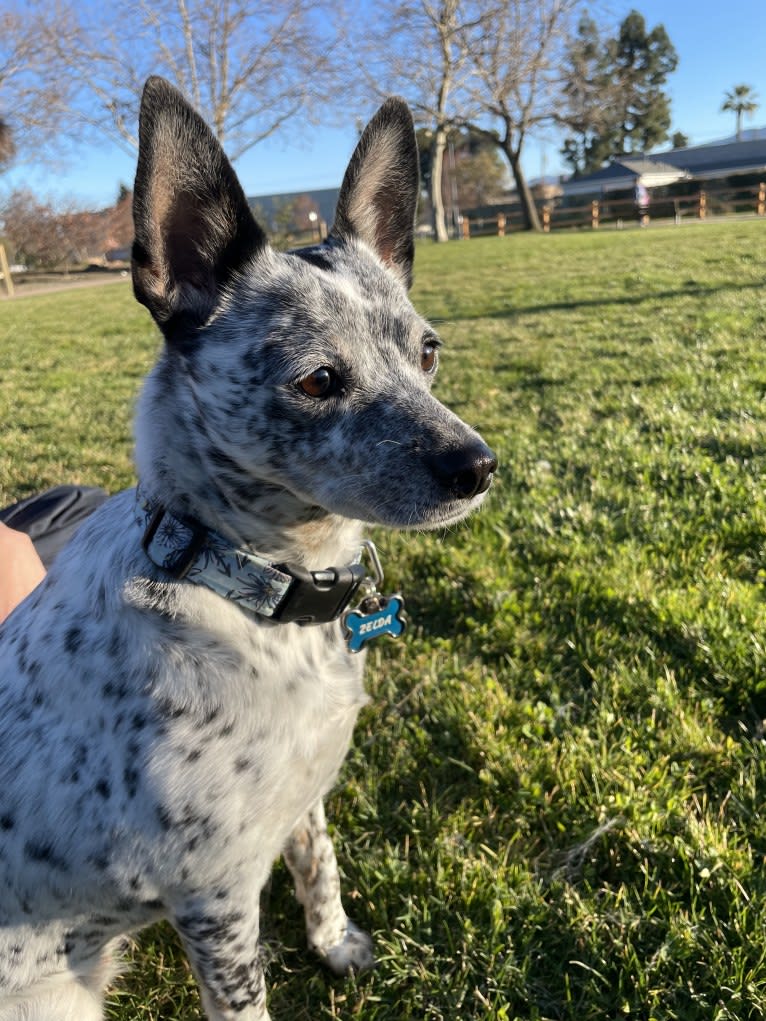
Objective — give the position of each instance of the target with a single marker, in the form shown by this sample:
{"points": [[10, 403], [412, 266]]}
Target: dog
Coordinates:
{"points": [[178, 695]]}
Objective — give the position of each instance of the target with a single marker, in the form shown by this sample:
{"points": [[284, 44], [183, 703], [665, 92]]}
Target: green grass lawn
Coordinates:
{"points": [[552, 809]]}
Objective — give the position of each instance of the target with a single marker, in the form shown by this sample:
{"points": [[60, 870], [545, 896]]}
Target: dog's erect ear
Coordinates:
{"points": [[193, 227], [379, 194]]}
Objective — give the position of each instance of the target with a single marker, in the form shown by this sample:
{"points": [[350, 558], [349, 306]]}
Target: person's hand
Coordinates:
{"points": [[21, 569]]}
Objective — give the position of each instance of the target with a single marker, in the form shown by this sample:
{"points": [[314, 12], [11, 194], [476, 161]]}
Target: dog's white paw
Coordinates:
{"points": [[354, 953]]}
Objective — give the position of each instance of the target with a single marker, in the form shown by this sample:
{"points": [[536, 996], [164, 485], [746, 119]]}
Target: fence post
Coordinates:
{"points": [[5, 269], [466, 227], [702, 209], [547, 219], [501, 225], [594, 214], [760, 208]]}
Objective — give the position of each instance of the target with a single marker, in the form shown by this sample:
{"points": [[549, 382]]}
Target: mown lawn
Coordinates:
{"points": [[552, 809]]}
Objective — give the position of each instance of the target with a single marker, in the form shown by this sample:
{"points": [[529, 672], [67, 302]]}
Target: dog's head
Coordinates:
{"points": [[308, 371]]}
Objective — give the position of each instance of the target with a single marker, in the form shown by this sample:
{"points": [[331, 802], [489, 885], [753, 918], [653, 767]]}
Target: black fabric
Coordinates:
{"points": [[51, 518]]}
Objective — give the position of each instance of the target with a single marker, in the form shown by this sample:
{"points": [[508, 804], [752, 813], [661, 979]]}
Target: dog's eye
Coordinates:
{"points": [[321, 383], [429, 356]]}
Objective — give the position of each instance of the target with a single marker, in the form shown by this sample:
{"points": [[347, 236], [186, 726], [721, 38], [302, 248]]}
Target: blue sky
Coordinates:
{"points": [[719, 45]]}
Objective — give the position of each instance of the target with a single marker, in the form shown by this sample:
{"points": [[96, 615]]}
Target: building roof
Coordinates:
{"points": [[621, 175], [699, 162], [719, 159]]}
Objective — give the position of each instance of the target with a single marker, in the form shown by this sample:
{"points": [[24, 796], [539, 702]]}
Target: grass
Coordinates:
{"points": [[552, 809]]}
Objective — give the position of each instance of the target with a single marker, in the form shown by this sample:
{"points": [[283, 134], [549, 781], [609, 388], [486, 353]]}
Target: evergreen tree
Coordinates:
{"points": [[585, 84], [616, 103]]}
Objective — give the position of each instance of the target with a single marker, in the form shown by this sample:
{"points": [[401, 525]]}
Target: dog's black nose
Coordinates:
{"points": [[466, 471]]}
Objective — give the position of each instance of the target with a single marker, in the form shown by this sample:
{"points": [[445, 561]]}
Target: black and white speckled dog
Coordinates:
{"points": [[162, 739]]}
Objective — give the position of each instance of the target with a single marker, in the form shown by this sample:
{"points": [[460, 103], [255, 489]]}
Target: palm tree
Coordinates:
{"points": [[741, 99]]}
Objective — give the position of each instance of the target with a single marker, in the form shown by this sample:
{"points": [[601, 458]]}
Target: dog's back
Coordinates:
{"points": [[167, 727]]}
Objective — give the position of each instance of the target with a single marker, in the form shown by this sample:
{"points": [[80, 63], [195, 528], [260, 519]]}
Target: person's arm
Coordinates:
{"points": [[21, 569]]}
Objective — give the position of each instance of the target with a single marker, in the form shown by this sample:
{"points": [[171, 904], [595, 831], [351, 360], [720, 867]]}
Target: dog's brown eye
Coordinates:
{"points": [[320, 383], [429, 356]]}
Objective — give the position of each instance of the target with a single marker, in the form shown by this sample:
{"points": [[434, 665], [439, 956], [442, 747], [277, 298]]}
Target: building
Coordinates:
{"points": [[716, 161], [296, 207], [621, 175], [719, 159]]}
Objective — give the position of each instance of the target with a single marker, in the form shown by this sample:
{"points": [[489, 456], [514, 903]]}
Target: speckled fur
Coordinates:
{"points": [[160, 747]]}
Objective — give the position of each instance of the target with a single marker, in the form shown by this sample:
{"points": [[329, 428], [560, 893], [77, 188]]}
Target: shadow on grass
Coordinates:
{"points": [[691, 289], [573, 630], [732, 448]]}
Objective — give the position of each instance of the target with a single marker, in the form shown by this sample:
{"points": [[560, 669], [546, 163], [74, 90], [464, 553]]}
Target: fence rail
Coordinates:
{"points": [[711, 201]]}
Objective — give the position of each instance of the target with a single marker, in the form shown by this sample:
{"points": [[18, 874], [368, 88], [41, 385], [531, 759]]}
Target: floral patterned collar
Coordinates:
{"points": [[187, 549]]}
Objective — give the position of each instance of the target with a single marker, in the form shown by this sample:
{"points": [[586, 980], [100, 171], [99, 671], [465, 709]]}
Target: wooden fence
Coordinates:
{"points": [[714, 200]]}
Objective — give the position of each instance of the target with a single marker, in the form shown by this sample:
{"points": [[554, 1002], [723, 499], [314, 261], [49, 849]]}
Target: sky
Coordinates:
{"points": [[719, 45]]}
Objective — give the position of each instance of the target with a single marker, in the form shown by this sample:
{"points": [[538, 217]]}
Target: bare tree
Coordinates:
{"points": [[415, 49], [516, 55], [434, 30], [45, 233], [30, 96], [437, 66], [7, 144], [249, 66], [34, 231]]}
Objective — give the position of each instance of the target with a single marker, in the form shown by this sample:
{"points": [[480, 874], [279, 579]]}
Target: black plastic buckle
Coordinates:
{"points": [[184, 559], [318, 597]]}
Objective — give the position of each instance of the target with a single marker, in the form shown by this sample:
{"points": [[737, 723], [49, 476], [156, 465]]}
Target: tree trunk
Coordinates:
{"points": [[438, 146], [528, 207]]}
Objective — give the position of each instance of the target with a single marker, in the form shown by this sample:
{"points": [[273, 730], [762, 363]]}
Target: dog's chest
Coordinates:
{"points": [[269, 736]]}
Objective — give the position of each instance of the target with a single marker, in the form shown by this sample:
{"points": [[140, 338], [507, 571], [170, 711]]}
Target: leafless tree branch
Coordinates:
{"points": [[249, 66], [31, 98], [515, 55]]}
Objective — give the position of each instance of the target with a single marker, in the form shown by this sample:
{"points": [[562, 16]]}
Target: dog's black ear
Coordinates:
{"points": [[193, 227], [379, 194]]}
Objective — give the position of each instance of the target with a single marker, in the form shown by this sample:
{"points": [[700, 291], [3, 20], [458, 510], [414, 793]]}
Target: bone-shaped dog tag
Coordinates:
{"points": [[375, 616]]}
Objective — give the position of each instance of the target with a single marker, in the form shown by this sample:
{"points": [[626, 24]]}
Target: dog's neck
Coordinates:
{"points": [[267, 525]]}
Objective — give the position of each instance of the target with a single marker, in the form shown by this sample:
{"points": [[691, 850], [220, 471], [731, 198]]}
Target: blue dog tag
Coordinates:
{"points": [[375, 616]]}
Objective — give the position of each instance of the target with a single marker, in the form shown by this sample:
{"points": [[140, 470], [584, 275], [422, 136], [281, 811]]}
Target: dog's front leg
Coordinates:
{"points": [[221, 940], [310, 856]]}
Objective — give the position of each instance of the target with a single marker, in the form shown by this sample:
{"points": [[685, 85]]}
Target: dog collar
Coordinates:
{"points": [[284, 592]]}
